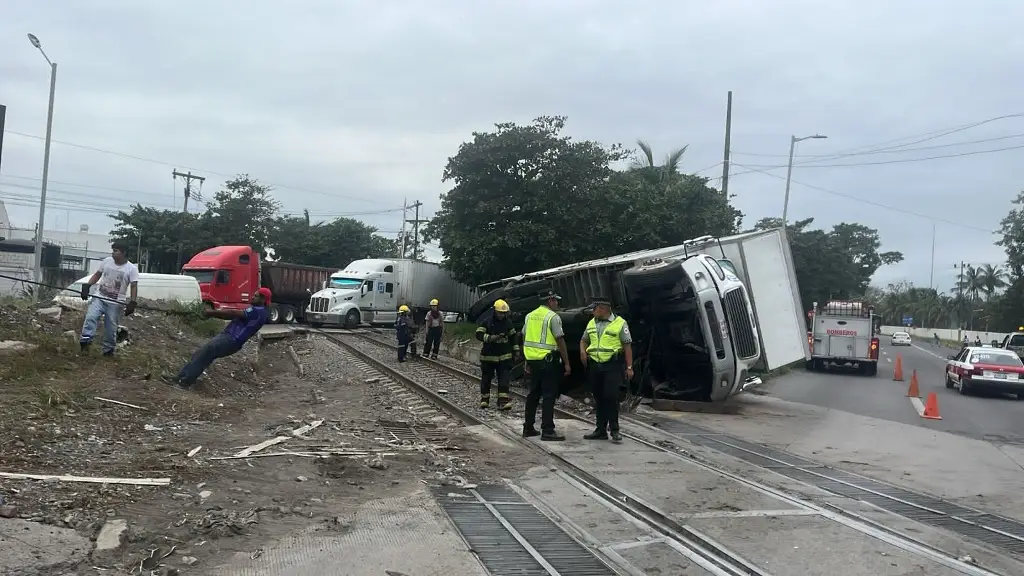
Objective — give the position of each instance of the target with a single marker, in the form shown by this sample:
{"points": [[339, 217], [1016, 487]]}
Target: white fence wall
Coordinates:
{"points": [[928, 333]]}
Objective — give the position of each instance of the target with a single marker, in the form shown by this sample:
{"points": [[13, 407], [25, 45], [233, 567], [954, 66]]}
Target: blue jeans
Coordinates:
{"points": [[219, 346], [111, 313]]}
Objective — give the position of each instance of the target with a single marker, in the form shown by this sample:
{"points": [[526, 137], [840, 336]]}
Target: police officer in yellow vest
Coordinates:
{"points": [[606, 351], [543, 336]]}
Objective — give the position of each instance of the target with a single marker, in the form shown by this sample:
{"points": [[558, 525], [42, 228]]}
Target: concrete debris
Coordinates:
{"points": [[189, 560], [151, 428], [109, 537], [92, 479], [301, 478], [12, 346], [194, 451], [378, 463], [8, 511], [52, 314], [205, 494]]}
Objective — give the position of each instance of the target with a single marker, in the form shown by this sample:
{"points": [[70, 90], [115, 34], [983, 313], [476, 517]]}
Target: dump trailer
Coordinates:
{"points": [[229, 275], [704, 315], [371, 290]]}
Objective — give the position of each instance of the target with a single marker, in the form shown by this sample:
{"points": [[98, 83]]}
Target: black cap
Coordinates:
{"points": [[549, 294], [599, 300]]}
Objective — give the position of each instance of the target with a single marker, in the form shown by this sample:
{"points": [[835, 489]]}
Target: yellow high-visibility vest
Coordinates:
{"points": [[604, 344], [538, 341]]}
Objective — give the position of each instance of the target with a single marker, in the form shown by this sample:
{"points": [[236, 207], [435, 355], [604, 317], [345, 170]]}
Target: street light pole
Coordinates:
{"points": [[46, 160], [789, 171]]}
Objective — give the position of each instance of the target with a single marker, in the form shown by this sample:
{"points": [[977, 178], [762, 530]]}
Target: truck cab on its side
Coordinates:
{"points": [[364, 292]]}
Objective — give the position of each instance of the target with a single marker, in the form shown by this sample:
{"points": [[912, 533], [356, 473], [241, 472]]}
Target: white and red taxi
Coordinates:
{"points": [[995, 369]]}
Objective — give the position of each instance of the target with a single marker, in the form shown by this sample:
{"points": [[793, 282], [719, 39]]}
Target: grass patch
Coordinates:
{"points": [[191, 315], [460, 330]]}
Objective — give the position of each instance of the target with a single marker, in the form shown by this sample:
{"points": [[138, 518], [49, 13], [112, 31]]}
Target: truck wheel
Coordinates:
{"points": [[660, 274], [871, 369], [809, 365], [352, 319], [275, 315], [317, 325], [289, 314]]}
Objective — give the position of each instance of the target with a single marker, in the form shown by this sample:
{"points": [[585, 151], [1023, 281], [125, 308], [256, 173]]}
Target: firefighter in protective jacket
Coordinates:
{"points": [[500, 349]]}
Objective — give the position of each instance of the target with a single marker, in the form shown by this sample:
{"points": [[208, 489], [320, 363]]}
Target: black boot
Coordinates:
{"points": [[530, 432], [596, 435], [552, 437]]}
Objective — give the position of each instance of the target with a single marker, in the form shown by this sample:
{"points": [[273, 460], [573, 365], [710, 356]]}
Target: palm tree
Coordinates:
{"points": [[993, 279], [669, 166]]}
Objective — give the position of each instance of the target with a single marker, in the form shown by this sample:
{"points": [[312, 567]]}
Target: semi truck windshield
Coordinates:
{"points": [[348, 283]]}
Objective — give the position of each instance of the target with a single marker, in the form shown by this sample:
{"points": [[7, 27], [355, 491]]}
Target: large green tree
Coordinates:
{"points": [[523, 198]]}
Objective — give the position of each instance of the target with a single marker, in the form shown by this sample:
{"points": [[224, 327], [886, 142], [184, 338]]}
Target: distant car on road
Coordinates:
{"points": [[979, 368], [900, 339]]}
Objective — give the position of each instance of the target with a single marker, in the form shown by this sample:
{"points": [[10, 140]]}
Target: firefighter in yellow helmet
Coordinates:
{"points": [[405, 331], [497, 355], [435, 329]]}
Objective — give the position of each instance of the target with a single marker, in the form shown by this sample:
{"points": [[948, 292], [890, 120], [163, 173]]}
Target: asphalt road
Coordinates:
{"points": [[995, 418]]}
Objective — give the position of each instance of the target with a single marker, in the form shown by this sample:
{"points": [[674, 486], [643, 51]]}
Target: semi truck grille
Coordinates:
{"points": [[318, 304], [739, 320]]}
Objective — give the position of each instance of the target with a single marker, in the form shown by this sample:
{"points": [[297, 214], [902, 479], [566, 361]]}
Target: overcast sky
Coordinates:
{"points": [[351, 106]]}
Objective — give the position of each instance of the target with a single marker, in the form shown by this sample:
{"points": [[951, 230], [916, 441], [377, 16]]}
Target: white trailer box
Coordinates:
{"points": [[764, 262], [418, 282]]}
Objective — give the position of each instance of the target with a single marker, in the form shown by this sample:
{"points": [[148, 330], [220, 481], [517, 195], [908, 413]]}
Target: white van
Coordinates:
{"points": [[167, 287]]}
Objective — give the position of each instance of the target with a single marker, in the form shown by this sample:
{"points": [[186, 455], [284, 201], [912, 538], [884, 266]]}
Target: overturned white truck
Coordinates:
{"points": [[704, 315]]}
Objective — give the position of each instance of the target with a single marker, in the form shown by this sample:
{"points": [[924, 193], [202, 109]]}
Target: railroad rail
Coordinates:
{"points": [[708, 554]]}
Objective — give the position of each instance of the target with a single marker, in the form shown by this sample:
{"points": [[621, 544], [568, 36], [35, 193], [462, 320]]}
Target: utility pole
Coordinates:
{"points": [[416, 230], [931, 275], [728, 135], [960, 298], [188, 194], [405, 214], [789, 171]]}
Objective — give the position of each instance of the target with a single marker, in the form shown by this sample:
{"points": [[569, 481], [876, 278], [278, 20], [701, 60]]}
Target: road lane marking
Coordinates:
{"points": [[888, 360], [918, 405], [943, 358]]}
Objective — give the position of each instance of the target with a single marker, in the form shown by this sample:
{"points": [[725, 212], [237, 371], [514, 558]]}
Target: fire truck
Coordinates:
{"points": [[842, 335]]}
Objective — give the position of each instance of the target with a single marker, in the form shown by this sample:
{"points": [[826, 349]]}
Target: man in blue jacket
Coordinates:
{"points": [[243, 326]]}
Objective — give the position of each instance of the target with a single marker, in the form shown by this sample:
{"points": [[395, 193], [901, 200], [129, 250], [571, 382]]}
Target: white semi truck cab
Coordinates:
{"points": [[364, 292]]}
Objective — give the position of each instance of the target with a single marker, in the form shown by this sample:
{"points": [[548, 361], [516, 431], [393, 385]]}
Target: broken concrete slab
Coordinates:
{"points": [[34, 545], [110, 535], [13, 346], [52, 314]]}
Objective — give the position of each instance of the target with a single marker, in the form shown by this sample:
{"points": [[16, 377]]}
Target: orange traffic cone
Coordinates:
{"points": [[914, 391], [897, 374], [931, 407]]}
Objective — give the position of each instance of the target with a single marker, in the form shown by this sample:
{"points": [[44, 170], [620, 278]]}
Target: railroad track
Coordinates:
{"points": [[443, 392], [413, 376]]}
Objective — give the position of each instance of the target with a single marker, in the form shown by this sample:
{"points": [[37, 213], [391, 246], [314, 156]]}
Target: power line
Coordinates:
{"points": [[872, 203], [884, 151], [892, 146], [168, 164], [898, 161]]}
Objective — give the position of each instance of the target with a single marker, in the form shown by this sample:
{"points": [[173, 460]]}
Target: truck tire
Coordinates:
{"points": [[287, 314], [352, 319], [275, 315], [871, 369], [317, 325], [660, 274]]}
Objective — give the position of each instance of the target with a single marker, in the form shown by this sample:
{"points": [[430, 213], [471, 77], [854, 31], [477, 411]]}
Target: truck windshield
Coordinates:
{"points": [[347, 283], [201, 276]]}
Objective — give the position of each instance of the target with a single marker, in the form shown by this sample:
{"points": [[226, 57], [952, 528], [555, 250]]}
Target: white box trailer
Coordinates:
{"points": [[418, 282], [370, 291], [708, 310]]}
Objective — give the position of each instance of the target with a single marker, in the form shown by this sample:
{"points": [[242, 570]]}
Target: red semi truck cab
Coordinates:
{"points": [[228, 275]]}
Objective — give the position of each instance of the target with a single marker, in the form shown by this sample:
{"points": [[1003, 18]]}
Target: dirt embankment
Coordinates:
{"points": [[62, 413]]}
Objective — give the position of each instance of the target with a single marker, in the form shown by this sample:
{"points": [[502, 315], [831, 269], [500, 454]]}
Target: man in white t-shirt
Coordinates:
{"points": [[116, 278]]}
